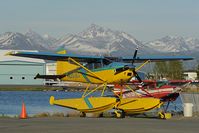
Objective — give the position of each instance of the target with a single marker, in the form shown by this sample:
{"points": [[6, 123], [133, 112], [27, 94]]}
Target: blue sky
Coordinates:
{"points": [[144, 19]]}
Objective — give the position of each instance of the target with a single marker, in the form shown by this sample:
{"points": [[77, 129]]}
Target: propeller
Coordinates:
{"points": [[134, 72], [134, 56], [126, 67], [138, 77], [142, 84]]}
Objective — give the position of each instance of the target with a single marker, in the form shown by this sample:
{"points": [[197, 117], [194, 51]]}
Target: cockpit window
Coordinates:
{"points": [[129, 74], [94, 65]]}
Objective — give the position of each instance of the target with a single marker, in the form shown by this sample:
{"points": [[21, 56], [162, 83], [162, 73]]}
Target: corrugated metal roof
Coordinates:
{"points": [[4, 57]]}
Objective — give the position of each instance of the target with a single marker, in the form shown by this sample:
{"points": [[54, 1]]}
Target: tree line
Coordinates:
{"points": [[169, 70]]}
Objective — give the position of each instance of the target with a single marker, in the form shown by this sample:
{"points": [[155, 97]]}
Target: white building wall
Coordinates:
{"points": [[20, 70], [190, 75], [51, 68]]}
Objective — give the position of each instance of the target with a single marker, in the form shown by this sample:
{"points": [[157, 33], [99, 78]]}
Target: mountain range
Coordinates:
{"points": [[175, 44], [99, 41]]}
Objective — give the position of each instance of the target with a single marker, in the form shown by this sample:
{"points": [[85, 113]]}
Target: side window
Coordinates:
{"points": [[97, 65]]}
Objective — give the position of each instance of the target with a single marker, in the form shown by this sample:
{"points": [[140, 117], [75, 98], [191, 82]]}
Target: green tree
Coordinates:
{"points": [[160, 69], [175, 69], [169, 70]]}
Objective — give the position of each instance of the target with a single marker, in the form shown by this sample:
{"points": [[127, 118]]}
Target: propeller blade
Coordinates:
{"points": [[138, 77], [135, 54]]}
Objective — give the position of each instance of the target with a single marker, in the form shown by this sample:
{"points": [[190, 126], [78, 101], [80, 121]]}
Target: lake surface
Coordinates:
{"points": [[38, 101], [35, 101]]}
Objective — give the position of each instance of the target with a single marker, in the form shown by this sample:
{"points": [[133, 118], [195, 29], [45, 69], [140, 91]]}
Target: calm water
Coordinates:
{"points": [[35, 101], [38, 101]]}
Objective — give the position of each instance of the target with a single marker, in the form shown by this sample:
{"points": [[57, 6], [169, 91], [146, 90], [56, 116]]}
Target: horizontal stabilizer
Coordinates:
{"points": [[38, 76]]}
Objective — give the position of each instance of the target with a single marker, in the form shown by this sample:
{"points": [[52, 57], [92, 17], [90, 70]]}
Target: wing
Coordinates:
{"points": [[56, 57], [91, 58], [156, 58]]}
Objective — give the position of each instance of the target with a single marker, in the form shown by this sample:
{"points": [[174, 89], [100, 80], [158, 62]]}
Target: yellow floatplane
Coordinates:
{"points": [[103, 71]]}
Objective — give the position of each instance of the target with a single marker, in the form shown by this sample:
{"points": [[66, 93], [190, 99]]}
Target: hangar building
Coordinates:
{"points": [[19, 70]]}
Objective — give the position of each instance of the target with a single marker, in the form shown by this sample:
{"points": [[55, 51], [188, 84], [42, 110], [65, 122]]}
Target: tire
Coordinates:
{"points": [[120, 114], [82, 114]]}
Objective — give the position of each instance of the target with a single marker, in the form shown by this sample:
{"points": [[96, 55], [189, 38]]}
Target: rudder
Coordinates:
{"points": [[64, 66]]}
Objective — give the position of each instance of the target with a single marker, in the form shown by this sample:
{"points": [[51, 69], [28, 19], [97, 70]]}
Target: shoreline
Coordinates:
{"points": [[60, 88]]}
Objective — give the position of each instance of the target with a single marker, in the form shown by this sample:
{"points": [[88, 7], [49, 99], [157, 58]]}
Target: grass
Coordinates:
{"points": [[29, 88], [56, 114], [61, 114], [8, 116], [191, 90], [39, 115], [44, 114]]}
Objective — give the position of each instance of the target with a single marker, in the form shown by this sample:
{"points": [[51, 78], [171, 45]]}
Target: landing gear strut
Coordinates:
{"points": [[119, 113], [163, 115]]}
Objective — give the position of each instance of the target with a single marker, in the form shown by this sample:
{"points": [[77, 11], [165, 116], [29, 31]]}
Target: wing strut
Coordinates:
{"points": [[86, 69], [137, 69]]}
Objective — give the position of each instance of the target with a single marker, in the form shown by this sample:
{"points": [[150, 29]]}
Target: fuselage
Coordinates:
{"points": [[96, 73], [99, 76]]}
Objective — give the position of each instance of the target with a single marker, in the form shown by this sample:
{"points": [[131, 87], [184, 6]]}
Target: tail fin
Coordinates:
{"points": [[65, 66], [61, 51]]}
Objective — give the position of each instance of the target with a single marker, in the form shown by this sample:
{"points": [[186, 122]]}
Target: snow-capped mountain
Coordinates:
{"points": [[37, 39], [193, 43], [50, 40], [98, 40], [10, 40], [175, 44], [28, 41]]}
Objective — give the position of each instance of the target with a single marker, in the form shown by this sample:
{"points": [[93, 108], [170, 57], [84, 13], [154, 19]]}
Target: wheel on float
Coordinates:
{"points": [[119, 114], [82, 114]]}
